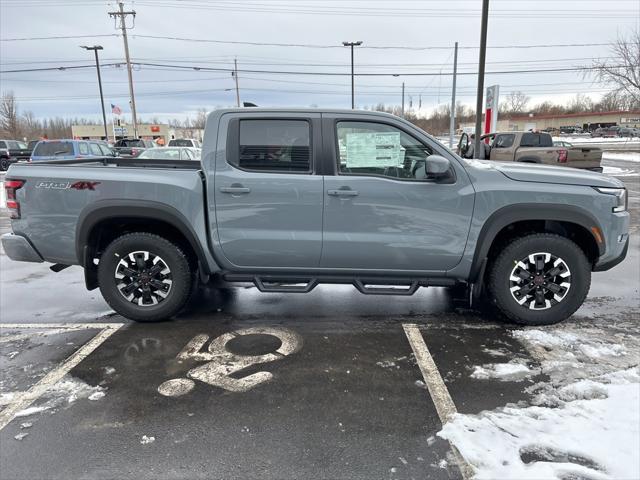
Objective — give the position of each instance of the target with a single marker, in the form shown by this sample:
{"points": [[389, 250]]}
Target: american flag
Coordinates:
{"points": [[116, 110]]}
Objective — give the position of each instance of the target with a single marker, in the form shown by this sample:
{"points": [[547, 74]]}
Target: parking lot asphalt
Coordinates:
{"points": [[250, 385]]}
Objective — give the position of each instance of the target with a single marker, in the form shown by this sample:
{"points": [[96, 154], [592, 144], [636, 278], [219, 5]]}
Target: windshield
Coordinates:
{"points": [[181, 142], [161, 154], [53, 149], [129, 142]]}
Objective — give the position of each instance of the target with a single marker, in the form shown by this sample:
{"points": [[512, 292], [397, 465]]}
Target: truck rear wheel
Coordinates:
{"points": [[144, 277], [540, 279]]}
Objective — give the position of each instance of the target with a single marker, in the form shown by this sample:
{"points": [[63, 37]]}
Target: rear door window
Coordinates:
{"points": [[83, 148], [53, 149], [530, 140], [274, 145]]}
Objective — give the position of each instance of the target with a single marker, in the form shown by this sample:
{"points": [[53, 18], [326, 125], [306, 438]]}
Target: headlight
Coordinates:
{"points": [[621, 197]]}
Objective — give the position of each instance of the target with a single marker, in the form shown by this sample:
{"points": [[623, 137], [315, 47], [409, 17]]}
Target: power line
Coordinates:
{"points": [[370, 47], [305, 45], [64, 37], [293, 72]]}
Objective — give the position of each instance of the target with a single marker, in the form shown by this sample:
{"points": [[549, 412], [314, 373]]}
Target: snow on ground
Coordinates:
{"points": [[624, 156], [584, 417], [578, 140], [619, 172]]}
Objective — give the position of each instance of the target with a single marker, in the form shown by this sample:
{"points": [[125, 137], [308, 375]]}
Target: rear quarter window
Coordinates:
{"points": [[531, 139]]}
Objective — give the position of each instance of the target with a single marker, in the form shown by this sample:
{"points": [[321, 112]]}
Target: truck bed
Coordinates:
{"points": [[59, 195]]}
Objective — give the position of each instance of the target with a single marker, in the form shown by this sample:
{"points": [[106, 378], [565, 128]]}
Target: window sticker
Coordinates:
{"points": [[373, 150]]}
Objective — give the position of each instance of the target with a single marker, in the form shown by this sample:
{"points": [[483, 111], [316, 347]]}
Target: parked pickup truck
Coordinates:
{"points": [[288, 199], [535, 147], [12, 151]]}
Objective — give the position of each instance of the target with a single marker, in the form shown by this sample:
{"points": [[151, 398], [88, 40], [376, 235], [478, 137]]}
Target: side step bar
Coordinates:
{"points": [[365, 285]]}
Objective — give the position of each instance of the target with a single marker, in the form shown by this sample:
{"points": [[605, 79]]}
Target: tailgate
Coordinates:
{"points": [[584, 157]]}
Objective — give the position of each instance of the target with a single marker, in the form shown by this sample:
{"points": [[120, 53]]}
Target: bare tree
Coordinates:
{"points": [[31, 125], [515, 102], [621, 69], [9, 119], [201, 119], [580, 103]]}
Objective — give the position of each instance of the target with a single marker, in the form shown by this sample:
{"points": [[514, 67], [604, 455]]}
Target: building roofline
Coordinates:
{"points": [[574, 115]]}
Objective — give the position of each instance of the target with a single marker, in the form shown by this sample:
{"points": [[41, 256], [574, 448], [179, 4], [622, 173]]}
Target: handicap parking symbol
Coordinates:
{"points": [[220, 363]]}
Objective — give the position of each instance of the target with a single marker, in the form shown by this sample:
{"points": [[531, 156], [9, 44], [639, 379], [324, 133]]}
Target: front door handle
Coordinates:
{"points": [[343, 193], [235, 189]]}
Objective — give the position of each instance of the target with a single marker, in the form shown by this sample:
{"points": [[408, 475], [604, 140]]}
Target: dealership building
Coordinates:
{"points": [[586, 121], [161, 133]]}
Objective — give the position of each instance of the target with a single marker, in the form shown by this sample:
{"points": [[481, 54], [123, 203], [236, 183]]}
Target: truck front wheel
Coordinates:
{"points": [[540, 279], [144, 277]]}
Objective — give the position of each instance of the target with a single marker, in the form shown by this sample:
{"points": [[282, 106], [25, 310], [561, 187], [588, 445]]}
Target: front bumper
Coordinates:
{"points": [[612, 262], [19, 249]]}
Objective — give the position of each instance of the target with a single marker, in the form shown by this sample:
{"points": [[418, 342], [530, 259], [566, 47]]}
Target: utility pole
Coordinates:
{"points": [[235, 75], [481, 61], [353, 94], [95, 49], [402, 100], [452, 122], [122, 15]]}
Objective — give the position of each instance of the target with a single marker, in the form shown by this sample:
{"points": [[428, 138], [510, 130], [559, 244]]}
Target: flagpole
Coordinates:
{"points": [[113, 127]]}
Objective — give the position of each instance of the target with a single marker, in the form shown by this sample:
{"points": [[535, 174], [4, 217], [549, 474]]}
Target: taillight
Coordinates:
{"points": [[563, 155], [134, 152], [10, 187]]}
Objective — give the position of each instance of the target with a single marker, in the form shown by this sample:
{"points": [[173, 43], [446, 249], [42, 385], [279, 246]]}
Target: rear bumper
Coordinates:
{"points": [[19, 249]]}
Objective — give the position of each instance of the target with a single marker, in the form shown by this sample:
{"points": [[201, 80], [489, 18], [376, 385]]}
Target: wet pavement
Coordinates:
{"points": [[251, 385]]}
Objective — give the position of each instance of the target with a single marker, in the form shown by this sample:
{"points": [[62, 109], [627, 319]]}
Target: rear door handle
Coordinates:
{"points": [[343, 193], [235, 189]]}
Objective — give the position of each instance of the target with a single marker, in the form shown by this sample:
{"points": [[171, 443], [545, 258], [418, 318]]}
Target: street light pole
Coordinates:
{"points": [[95, 49], [452, 119], [481, 61], [352, 44]]}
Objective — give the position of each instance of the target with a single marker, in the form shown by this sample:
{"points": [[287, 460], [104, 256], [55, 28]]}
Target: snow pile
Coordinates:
{"points": [[582, 423], [64, 393], [512, 371]]}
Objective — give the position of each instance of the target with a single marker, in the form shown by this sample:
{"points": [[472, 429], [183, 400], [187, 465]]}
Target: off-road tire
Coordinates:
{"points": [[501, 269], [170, 254]]}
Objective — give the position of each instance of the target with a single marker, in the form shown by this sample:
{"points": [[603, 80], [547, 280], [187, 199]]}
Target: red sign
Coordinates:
{"points": [[155, 128]]}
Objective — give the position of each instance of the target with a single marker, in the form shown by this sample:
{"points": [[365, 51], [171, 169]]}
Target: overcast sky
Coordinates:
{"points": [[166, 92]]}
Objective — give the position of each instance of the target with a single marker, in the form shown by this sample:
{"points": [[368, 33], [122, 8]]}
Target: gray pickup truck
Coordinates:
{"points": [[288, 199]]}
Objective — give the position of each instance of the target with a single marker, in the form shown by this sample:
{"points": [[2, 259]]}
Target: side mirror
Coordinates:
{"points": [[437, 166]]}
